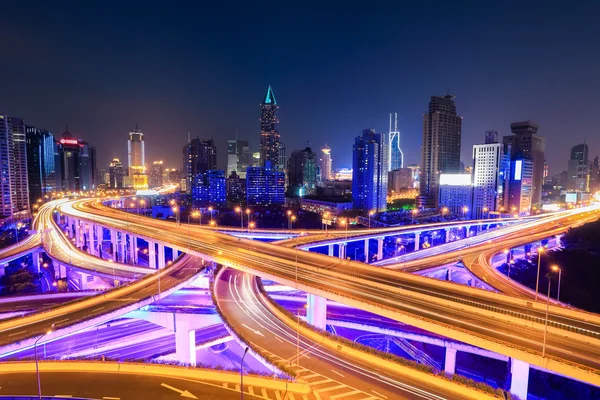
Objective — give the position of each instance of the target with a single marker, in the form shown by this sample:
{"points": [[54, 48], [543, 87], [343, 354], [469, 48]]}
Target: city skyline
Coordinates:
{"points": [[169, 111]]}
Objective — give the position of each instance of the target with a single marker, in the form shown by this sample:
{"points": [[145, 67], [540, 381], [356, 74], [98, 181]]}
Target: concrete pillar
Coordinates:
{"points": [[77, 234], [35, 257], [449, 275], [99, 240], [3, 269], [417, 240], [380, 248], [63, 271], [133, 249], [92, 248], [330, 250], [448, 232], [450, 361], [83, 281], [161, 256], [113, 243], [519, 380], [366, 251], [175, 254], [151, 255], [316, 313], [122, 248], [185, 345], [342, 250]]}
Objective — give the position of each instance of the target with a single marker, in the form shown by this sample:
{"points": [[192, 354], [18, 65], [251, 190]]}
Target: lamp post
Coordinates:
{"points": [[444, 212], [540, 250], [344, 222], [292, 219], [414, 212], [557, 268], [485, 211], [298, 337], [465, 209], [193, 214], [242, 374], [17, 227], [37, 368], [289, 214], [326, 215], [546, 321], [210, 209], [239, 210], [251, 225], [370, 214]]}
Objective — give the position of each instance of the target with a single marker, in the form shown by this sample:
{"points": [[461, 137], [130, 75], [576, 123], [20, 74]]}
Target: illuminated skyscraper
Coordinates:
{"points": [[75, 164], [40, 163], [578, 176], [325, 163], [302, 172], [116, 173], [396, 157], [369, 171], [440, 148], [269, 132], [14, 190], [199, 156], [156, 174], [136, 159], [232, 157]]}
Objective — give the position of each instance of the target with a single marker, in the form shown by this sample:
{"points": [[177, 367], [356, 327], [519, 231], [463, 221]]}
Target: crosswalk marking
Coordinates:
{"points": [[347, 394], [311, 376], [330, 388], [319, 382]]}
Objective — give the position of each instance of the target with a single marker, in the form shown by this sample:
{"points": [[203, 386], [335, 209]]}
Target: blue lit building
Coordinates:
{"points": [[264, 186], [41, 169], [209, 189], [370, 171], [520, 187], [396, 158]]}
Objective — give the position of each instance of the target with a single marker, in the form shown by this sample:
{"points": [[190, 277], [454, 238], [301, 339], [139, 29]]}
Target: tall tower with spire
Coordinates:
{"points": [[269, 131], [396, 157]]}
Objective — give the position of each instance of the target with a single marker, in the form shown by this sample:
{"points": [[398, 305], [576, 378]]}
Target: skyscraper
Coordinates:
{"points": [[302, 172], [396, 157], [198, 156], [325, 163], [116, 173], [236, 189], [136, 159], [269, 132], [440, 148], [520, 186], [264, 187], [594, 176], [209, 188], [369, 171], [156, 174], [232, 156], [40, 163], [526, 144], [75, 164], [243, 155], [14, 190], [578, 178], [491, 168]]}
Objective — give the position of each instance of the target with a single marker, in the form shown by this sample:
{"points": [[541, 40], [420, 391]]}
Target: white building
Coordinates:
{"points": [[456, 193], [325, 163]]}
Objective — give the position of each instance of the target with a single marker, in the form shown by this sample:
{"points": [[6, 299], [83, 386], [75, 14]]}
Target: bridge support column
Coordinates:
{"points": [[449, 275], [60, 271], [519, 380], [417, 240], [448, 232], [99, 240], [380, 248], [83, 281], [161, 256], [175, 254], [152, 255], [77, 234], [35, 258], [113, 243], [133, 252], [92, 248], [185, 344], [366, 250], [342, 250], [122, 248], [330, 250], [316, 313], [3, 269], [450, 361]]}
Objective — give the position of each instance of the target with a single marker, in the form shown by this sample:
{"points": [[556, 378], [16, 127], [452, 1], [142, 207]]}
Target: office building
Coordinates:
{"points": [[396, 157], [136, 160], [116, 173], [546, 176], [232, 157], [282, 158], [491, 167], [440, 149], [103, 177], [594, 176], [369, 176], [526, 144], [456, 192], [243, 156], [156, 174], [269, 132], [416, 174], [325, 164], [265, 187], [520, 186], [14, 190], [577, 170], [342, 174], [400, 179], [302, 172], [236, 189], [41, 171], [209, 188], [198, 156], [75, 164]]}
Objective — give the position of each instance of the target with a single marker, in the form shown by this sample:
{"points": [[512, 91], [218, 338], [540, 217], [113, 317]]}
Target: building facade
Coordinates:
{"points": [[325, 164], [594, 176], [400, 179], [116, 173], [156, 174], [440, 149], [264, 187], [578, 175], [136, 159], [198, 156], [41, 169], [75, 164], [236, 189], [526, 144], [209, 188], [14, 188], [396, 157], [269, 132], [369, 171], [302, 172], [456, 192], [491, 170], [520, 186]]}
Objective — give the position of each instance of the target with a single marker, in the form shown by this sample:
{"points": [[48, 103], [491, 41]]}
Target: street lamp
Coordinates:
{"points": [[370, 214], [210, 209], [193, 214], [485, 210], [298, 337], [292, 219], [251, 225], [546, 321], [344, 222], [444, 211], [465, 209], [556, 268], [242, 374], [17, 227], [289, 214], [414, 212], [37, 369], [239, 210], [540, 250]]}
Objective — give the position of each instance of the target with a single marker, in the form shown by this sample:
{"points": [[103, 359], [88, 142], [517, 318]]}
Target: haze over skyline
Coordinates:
{"points": [[335, 70]]}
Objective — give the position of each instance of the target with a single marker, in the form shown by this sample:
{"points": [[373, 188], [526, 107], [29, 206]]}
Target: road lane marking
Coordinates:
{"points": [[278, 395], [320, 382], [329, 389], [111, 398], [97, 309], [278, 339], [337, 373], [379, 394], [182, 393], [62, 320], [347, 394], [17, 333]]}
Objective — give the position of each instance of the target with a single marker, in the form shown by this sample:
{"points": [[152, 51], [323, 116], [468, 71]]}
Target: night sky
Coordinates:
{"points": [[335, 69]]}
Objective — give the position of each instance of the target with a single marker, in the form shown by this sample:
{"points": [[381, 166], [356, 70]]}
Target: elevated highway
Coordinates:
{"points": [[500, 323]]}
